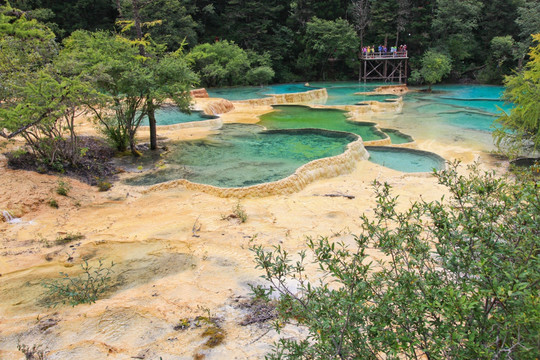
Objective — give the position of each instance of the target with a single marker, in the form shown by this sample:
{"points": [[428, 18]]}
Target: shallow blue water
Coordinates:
{"points": [[239, 93], [406, 160], [472, 107], [171, 115]]}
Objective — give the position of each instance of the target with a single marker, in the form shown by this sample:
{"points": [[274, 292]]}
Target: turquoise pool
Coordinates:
{"points": [[301, 117], [171, 115], [256, 92], [339, 93], [406, 160], [471, 107], [242, 155]]}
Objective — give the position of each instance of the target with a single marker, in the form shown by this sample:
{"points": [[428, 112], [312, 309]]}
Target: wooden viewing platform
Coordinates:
{"points": [[387, 66], [383, 55]]}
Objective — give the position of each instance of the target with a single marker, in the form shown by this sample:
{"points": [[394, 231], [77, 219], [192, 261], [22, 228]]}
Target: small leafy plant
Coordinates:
{"points": [[53, 203], [84, 289], [62, 187], [238, 212], [103, 185]]}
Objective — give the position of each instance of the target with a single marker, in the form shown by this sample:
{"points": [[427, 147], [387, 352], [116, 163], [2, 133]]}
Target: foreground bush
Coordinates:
{"points": [[460, 279]]}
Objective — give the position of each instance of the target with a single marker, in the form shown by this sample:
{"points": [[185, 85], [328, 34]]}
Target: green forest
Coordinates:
{"points": [[238, 42]]}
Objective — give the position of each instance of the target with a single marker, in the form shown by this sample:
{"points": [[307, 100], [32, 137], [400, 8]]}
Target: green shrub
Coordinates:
{"points": [[84, 289], [18, 153], [457, 279], [62, 187], [104, 185], [240, 212], [260, 75], [53, 203]]}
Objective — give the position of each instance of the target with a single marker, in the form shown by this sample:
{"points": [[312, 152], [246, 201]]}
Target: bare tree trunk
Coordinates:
{"points": [[119, 8], [138, 28], [361, 16], [152, 122]]}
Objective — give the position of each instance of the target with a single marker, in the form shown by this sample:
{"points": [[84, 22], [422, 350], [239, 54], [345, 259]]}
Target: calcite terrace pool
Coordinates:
{"points": [[305, 123]]}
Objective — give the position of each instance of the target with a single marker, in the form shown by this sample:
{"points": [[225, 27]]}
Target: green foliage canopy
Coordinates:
{"points": [[37, 101], [329, 39], [132, 84], [520, 131], [224, 63], [435, 66], [25, 47], [454, 24]]}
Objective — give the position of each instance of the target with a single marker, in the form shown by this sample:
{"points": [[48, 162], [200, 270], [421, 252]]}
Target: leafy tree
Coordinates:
{"points": [[502, 49], [260, 75], [435, 66], [133, 84], [176, 83], [528, 21], [172, 78], [177, 24], [520, 131], [26, 46], [456, 279], [419, 33], [327, 39], [497, 19], [303, 11], [403, 14], [453, 27], [44, 115], [260, 26], [383, 18], [220, 64], [37, 103]]}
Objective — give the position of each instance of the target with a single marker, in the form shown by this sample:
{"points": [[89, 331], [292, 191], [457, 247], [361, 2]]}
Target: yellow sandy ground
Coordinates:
{"points": [[176, 258]]}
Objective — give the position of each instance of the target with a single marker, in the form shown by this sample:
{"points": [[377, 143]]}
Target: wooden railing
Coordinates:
{"points": [[383, 55]]}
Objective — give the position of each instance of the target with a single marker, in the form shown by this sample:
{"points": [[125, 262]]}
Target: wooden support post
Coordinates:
{"points": [[384, 66]]}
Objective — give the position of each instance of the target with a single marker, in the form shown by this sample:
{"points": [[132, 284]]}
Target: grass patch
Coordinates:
{"points": [[69, 237], [215, 334], [53, 203]]}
